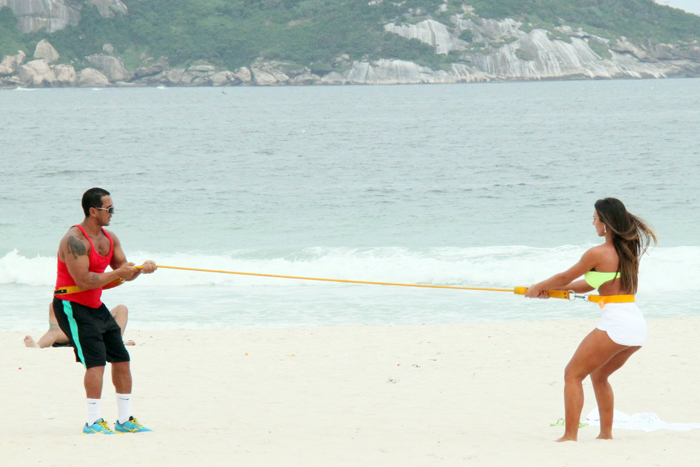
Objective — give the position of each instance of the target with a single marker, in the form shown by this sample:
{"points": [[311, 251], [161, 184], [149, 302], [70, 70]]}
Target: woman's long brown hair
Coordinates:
{"points": [[631, 237]]}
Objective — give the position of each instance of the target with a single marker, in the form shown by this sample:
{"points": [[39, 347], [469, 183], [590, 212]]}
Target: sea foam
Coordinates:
{"points": [[663, 270]]}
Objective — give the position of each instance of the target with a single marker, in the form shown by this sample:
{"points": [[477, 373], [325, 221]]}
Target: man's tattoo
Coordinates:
{"points": [[95, 277], [76, 247]]}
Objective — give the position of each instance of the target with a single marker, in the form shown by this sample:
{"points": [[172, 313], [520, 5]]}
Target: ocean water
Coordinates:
{"points": [[484, 185]]}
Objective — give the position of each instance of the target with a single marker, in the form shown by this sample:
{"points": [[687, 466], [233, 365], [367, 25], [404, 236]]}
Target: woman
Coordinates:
{"points": [[612, 268], [54, 337]]}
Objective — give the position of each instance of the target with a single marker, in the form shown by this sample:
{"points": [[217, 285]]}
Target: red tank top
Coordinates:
{"points": [[98, 264]]}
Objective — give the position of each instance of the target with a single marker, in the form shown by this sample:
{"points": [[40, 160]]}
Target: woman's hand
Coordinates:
{"points": [[535, 292]]}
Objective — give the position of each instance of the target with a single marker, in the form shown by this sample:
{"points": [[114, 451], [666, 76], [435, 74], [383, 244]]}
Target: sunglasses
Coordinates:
{"points": [[109, 209]]}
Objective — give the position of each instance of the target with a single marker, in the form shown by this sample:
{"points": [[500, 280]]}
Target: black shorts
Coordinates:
{"points": [[94, 334]]}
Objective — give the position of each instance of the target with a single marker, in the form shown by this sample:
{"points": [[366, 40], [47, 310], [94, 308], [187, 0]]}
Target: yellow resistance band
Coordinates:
{"points": [[517, 290]]}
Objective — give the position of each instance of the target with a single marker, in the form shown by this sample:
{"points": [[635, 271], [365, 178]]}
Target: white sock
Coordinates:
{"points": [[124, 407], [94, 413]]}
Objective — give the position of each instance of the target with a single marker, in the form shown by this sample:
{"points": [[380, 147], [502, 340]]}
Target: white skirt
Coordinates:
{"points": [[624, 324]]}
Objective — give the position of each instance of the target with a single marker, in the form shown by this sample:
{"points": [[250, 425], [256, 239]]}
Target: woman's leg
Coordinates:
{"points": [[603, 391], [121, 316], [594, 351], [53, 335]]}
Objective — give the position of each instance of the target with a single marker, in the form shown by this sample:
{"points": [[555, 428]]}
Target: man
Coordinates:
{"points": [[54, 337], [83, 255]]}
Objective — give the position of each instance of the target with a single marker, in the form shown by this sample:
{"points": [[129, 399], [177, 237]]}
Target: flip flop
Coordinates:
{"points": [[562, 422]]}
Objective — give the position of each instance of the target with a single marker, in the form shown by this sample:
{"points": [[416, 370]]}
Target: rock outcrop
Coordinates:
{"points": [[244, 75], [65, 75], [45, 51], [55, 15], [477, 50], [503, 50], [429, 31], [91, 78], [109, 8], [10, 63], [223, 78], [52, 15], [111, 67], [37, 73], [267, 76], [198, 75], [402, 72]]}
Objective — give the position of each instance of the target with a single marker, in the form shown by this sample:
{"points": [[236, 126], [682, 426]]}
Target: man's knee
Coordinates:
{"points": [[95, 370], [121, 367]]}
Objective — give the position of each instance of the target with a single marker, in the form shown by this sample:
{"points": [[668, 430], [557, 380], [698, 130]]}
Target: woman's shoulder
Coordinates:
{"points": [[596, 250], [601, 253]]}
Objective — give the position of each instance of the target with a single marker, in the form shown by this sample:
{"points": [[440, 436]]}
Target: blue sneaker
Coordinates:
{"points": [[100, 427], [130, 426]]}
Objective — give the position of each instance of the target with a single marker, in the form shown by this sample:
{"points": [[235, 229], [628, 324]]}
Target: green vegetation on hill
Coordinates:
{"points": [[313, 33], [11, 40]]}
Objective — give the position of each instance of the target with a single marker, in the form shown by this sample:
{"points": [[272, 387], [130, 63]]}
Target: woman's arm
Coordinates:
{"points": [[567, 278], [579, 286]]}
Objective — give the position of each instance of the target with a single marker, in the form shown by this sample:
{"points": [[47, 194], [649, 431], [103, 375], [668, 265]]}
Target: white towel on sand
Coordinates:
{"points": [[640, 421]]}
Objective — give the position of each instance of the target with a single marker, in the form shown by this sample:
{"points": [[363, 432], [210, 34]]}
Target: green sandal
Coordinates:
{"points": [[562, 422]]}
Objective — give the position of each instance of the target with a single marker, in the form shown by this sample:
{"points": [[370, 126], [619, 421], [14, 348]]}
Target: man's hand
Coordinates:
{"points": [[148, 267], [127, 271]]}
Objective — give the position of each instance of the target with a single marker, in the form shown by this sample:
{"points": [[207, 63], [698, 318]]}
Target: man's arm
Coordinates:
{"points": [[119, 259], [74, 251]]}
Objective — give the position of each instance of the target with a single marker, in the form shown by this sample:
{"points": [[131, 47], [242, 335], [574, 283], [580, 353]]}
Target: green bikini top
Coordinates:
{"points": [[595, 279]]}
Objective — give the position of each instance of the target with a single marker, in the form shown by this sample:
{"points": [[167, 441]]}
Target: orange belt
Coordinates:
{"points": [[69, 289], [603, 300]]}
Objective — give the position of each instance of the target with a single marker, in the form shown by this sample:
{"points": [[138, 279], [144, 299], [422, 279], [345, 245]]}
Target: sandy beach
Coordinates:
{"points": [[351, 396]]}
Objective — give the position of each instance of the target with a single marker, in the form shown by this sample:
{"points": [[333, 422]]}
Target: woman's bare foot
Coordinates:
{"points": [[608, 437], [129, 343], [29, 342], [565, 438]]}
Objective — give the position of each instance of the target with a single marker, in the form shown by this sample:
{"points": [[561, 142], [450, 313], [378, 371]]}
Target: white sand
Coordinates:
{"points": [[480, 395]]}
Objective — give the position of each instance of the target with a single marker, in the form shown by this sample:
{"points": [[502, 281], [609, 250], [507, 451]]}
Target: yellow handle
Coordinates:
{"points": [[559, 294], [565, 294]]}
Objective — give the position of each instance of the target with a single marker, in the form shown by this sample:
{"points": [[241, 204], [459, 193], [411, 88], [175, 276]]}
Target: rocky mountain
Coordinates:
{"points": [[55, 15], [461, 46]]}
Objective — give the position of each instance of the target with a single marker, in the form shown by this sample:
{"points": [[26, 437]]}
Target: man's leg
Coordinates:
{"points": [[121, 373], [93, 390], [126, 423], [93, 382], [121, 377]]}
